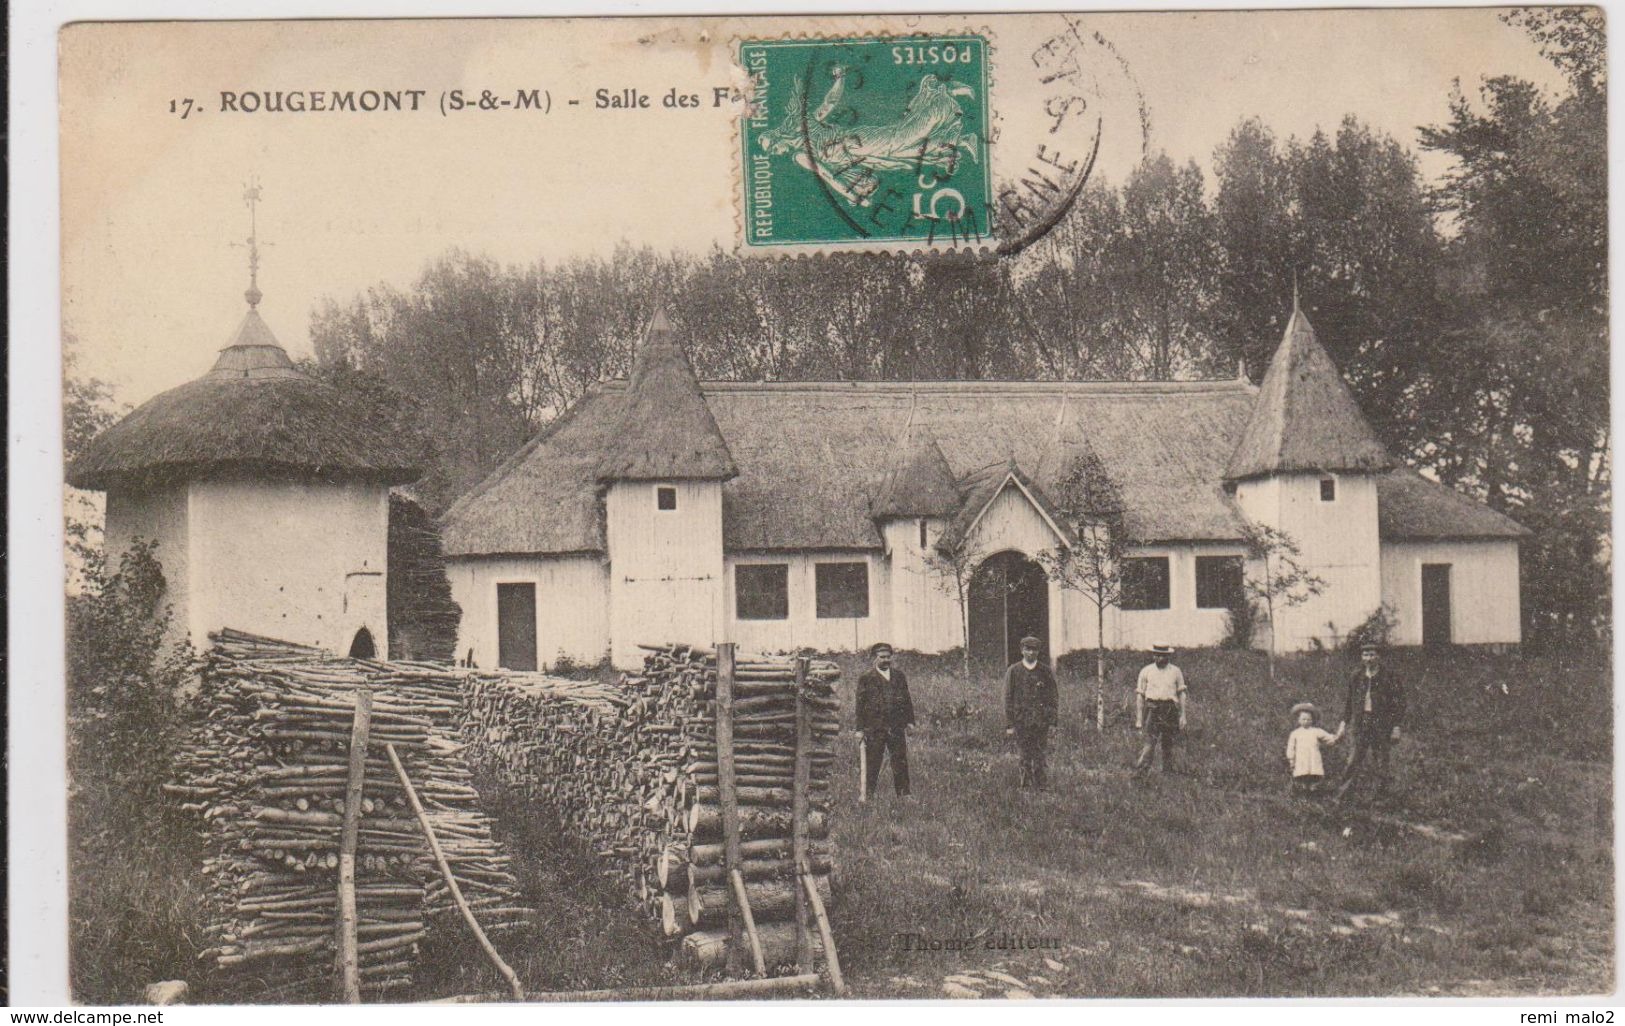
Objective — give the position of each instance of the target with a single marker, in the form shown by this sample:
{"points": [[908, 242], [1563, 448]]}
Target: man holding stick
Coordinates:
{"points": [[885, 712]]}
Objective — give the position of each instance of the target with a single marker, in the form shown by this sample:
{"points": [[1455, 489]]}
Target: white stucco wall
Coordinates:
{"points": [[804, 628], [572, 605], [302, 562], [666, 568], [921, 613], [1182, 623], [1484, 599], [1339, 544], [159, 515]]}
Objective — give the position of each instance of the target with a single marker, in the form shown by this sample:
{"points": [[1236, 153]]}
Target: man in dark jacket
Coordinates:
{"points": [[885, 711], [1029, 708], [1373, 709]]}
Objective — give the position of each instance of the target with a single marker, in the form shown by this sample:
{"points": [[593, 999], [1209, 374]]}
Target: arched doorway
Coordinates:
{"points": [[363, 647], [1009, 599]]}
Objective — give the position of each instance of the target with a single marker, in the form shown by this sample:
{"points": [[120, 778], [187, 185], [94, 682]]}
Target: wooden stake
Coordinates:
{"points": [[798, 814], [349, 832], [831, 959], [451, 880], [727, 793], [750, 923]]}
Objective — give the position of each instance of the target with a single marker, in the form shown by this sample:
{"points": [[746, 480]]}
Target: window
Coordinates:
{"points": [[516, 626], [1145, 582], [922, 534], [1328, 489], [1218, 582], [762, 591], [665, 497], [843, 590]]}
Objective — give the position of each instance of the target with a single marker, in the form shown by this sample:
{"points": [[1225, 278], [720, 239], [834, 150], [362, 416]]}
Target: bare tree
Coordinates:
{"points": [[951, 570], [1285, 582]]}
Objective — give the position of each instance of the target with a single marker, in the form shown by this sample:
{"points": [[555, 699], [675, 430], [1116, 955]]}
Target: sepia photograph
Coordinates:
{"points": [[979, 506]]}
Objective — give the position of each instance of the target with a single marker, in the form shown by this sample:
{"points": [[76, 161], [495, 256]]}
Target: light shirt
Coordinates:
{"points": [[1032, 665], [1160, 684], [884, 673], [1369, 677], [1303, 751]]}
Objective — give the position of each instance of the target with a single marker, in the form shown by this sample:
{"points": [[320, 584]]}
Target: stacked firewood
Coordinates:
{"points": [[265, 766], [633, 767]]}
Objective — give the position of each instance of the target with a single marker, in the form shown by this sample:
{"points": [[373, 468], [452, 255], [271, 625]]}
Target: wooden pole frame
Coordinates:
{"points": [[349, 956], [451, 880], [798, 813], [739, 918]]}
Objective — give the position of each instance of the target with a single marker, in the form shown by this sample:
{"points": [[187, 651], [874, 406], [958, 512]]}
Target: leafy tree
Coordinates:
{"points": [[1284, 582], [88, 409], [124, 673], [1528, 195]]}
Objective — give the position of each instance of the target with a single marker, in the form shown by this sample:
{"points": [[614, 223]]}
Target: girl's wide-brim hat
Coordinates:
{"points": [[1305, 707]]}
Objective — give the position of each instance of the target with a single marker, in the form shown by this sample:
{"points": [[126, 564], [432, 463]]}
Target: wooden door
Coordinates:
{"points": [[1436, 604], [516, 626]]}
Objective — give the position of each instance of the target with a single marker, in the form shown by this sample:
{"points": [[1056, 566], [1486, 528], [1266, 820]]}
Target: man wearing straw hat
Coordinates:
{"points": [[1372, 710], [1030, 701], [1159, 707], [885, 712]]}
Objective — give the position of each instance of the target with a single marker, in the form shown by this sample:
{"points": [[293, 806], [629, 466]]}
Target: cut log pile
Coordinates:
{"points": [[634, 768], [265, 768]]}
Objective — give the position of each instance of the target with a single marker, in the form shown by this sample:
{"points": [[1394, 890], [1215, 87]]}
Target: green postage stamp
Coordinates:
{"points": [[859, 143]]}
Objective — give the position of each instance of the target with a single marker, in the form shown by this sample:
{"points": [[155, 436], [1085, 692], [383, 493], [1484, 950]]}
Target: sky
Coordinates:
{"points": [[152, 202]]}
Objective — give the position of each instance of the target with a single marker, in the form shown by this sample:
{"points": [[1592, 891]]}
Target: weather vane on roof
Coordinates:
{"points": [[251, 197]]}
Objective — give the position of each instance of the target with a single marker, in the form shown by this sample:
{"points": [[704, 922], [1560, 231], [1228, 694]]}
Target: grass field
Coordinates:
{"points": [[1217, 883], [1208, 884]]}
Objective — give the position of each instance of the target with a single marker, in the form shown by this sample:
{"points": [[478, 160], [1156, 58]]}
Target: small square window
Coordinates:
{"points": [[665, 498], [1328, 489]]}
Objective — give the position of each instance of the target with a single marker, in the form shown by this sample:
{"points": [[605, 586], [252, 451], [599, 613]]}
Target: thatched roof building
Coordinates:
{"points": [[253, 411], [791, 514]]}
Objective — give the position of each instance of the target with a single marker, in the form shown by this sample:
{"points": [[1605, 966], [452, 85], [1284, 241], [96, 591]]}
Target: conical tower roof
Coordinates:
{"points": [[919, 482], [1305, 418], [666, 430]]}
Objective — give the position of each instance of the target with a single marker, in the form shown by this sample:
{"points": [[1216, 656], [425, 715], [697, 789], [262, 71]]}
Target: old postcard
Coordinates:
{"points": [[976, 506]]}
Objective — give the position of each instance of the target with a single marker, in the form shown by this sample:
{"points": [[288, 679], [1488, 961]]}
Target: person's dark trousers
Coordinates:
{"points": [[1034, 745], [877, 744], [1306, 786], [1161, 727], [1368, 760]]}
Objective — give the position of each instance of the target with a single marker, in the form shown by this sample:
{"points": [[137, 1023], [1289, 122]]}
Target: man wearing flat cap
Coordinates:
{"points": [[1373, 709], [1030, 699], [885, 712], [1159, 707]]}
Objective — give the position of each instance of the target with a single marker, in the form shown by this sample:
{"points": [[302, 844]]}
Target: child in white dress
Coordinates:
{"points": [[1303, 749]]}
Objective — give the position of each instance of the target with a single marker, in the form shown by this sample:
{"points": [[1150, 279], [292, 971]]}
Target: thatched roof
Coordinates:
{"points": [[1306, 418], [1412, 508], [982, 486], [919, 482], [254, 411], [666, 431], [812, 455]]}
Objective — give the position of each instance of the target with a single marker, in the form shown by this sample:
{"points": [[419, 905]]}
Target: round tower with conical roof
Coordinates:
{"points": [[265, 491], [1308, 464]]}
